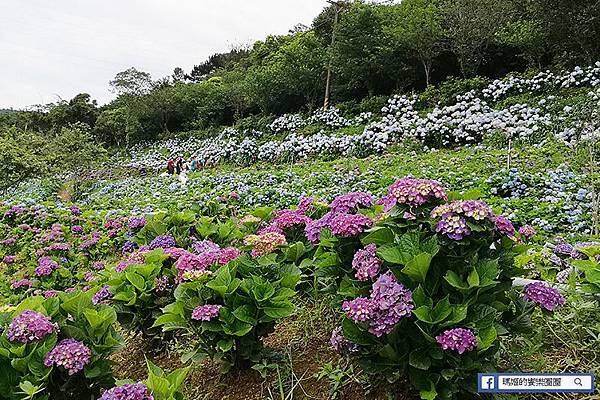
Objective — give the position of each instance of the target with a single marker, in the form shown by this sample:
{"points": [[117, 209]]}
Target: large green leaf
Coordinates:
{"points": [[418, 267]]}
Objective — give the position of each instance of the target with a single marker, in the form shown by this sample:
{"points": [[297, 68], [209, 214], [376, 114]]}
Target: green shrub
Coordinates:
{"points": [[428, 281], [24, 373], [241, 302]]}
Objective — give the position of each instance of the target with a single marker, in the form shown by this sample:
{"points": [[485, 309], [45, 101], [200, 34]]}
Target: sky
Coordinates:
{"points": [[52, 50]]}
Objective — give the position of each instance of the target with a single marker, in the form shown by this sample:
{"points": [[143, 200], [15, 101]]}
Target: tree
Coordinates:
{"points": [[419, 28], [131, 82], [118, 127], [470, 27], [80, 109]]}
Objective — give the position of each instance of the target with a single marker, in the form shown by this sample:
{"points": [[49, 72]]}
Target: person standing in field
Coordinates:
{"points": [[170, 166]]}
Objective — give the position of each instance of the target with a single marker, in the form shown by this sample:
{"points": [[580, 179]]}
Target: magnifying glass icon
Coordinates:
{"points": [[577, 381]]}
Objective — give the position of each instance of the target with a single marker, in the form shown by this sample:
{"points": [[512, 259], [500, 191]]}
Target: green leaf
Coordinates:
{"points": [[225, 345], [136, 280], [263, 292], [391, 254], [455, 280], [245, 313], [418, 267], [487, 337], [420, 298], [473, 279], [379, 236], [419, 359]]}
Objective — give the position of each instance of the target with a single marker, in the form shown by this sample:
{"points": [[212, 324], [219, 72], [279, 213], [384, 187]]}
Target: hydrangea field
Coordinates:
{"points": [[388, 254]]}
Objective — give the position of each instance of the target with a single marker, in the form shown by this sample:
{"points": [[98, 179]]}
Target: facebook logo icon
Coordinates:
{"points": [[487, 383]]}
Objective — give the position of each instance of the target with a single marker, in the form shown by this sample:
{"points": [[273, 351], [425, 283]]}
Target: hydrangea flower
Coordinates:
{"points": [[8, 259], [30, 326], [458, 339], [285, 219], [192, 262], [527, 231], [366, 263], [359, 310], [414, 192], [101, 295], [453, 226], [206, 312], [205, 246], [228, 254], [26, 283], [504, 225], [543, 295], [70, 354], [350, 202], [46, 266], [389, 302], [161, 284], [393, 302], [77, 229], [129, 391], [164, 241], [476, 209], [340, 344], [265, 243], [135, 223], [348, 225], [564, 249]]}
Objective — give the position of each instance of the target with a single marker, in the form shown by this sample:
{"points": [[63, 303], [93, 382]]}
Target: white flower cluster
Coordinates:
{"points": [[465, 122], [579, 77], [331, 117], [287, 123]]}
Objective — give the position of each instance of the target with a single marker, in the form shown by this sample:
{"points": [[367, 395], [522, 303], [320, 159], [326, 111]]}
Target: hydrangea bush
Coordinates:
{"points": [[57, 348], [429, 288], [229, 310]]}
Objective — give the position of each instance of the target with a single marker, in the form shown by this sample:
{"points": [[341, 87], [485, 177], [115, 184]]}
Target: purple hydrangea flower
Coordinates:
{"points": [[164, 242], [285, 219], [393, 302], [542, 294], [527, 231], [8, 259], [348, 225], [128, 247], [205, 246], [75, 210], [70, 354], [136, 222], [206, 312], [366, 263], [350, 202], [101, 295], [414, 192], [46, 266], [306, 204], [129, 391], [359, 310], [563, 249], [27, 283], [77, 229], [458, 339], [503, 225], [453, 226], [30, 326], [340, 344]]}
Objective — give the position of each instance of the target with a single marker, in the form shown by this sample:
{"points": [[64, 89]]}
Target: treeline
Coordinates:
{"points": [[373, 49]]}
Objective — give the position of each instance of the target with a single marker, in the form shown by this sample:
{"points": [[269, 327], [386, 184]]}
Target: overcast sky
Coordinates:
{"points": [[64, 47]]}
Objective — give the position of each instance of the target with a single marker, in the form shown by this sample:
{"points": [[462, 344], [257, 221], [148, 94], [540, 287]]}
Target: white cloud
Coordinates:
{"points": [[64, 47]]}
